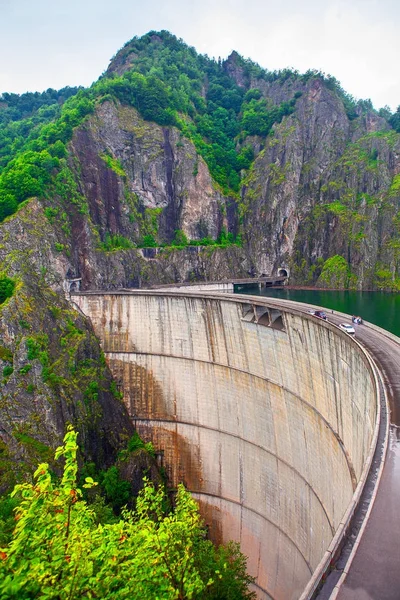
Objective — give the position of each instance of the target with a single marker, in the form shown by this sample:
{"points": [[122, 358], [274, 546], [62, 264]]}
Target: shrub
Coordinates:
{"points": [[7, 287], [116, 242], [7, 371], [148, 241], [57, 549], [335, 272], [180, 238]]}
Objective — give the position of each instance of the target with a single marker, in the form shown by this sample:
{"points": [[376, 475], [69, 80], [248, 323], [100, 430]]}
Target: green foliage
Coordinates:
{"points": [[7, 521], [21, 106], [37, 349], [136, 443], [385, 279], [64, 186], [225, 239], [33, 348], [115, 392], [337, 208], [57, 549], [7, 371], [31, 166], [148, 241], [7, 287], [21, 118], [180, 238], [117, 490], [6, 354], [205, 241], [394, 120], [258, 119], [116, 241], [51, 213], [114, 164], [335, 273], [91, 393], [394, 189]]}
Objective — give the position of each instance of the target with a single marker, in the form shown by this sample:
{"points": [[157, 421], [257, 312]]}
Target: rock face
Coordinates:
{"points": [[321, 186], [53, 370], [138, 179], [160, 171]]}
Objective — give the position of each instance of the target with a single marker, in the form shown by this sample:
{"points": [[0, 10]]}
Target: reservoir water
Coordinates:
{"points": [[382, 309]]}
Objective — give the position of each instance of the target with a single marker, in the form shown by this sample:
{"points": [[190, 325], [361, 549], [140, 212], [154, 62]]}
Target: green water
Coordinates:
{"points": [[377, 307]]}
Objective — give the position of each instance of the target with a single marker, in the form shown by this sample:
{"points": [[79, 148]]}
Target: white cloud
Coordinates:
{"points": [[53, 43]]}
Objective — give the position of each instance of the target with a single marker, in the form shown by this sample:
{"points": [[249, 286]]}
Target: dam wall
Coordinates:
{"points": [[218, 286], [266, 414]]}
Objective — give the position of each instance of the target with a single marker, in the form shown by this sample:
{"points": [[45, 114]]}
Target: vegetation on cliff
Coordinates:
{"points": [[166, 84], [7, 286], [230, 111], [52, 370], [58, 550]]}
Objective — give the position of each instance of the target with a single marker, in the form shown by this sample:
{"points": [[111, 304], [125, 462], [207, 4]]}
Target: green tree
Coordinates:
{"points": [[7, 287], [335, 273], [180, 238], [58, 551], [394, 120]]}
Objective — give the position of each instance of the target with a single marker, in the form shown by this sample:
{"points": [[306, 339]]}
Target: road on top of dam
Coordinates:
{"points": [[374, 573]]}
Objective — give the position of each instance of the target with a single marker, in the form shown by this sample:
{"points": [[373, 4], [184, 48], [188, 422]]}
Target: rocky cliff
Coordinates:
{"points": [[319, 195], [322, 187], [52, 369]]}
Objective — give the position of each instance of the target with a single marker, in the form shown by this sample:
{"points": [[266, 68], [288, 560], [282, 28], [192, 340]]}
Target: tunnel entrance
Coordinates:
{"points": [[72, 285], [283, 272]]}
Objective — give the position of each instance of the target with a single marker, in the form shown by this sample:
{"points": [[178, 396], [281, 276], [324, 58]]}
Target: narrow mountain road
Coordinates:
{"points": [[375, 571]]}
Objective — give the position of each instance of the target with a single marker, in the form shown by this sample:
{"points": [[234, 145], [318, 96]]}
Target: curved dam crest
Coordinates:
{"points": [[266, 414]]}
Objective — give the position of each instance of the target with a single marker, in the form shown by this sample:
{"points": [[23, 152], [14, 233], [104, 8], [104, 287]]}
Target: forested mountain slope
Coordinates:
{"points": [[171, 147], [173, 167]]}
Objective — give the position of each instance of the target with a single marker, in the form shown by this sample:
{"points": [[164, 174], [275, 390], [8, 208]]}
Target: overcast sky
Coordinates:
{"points": [[53, 43]]}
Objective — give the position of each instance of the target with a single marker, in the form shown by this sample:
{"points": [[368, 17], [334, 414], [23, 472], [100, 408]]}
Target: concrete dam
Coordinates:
{"points": [[268, 415]]}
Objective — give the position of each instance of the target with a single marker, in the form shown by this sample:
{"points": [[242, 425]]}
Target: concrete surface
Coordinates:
{"points": [[266, 414]]}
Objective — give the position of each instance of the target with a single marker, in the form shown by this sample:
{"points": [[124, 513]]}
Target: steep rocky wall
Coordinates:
{"points": [[52, 369], [160, 170], [321, 187], [268, 423]]}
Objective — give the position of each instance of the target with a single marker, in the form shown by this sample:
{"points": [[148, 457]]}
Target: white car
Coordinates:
{"points": [[347, 328]]}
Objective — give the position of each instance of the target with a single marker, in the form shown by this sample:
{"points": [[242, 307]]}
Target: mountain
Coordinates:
{"points": [[287, 165], [173, 167]]}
